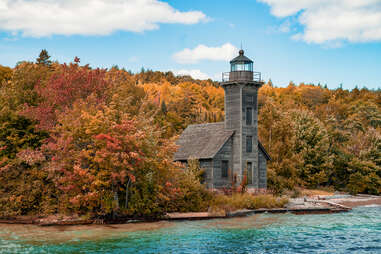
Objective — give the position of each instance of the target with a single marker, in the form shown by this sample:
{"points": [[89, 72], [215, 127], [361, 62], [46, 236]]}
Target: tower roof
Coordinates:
{"points": [[241, 58]]}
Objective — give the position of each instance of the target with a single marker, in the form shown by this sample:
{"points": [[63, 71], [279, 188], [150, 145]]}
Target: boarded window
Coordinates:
{"points": [[249, 173], [224, 168], [249, 116], [249, 144], [249, 99]]}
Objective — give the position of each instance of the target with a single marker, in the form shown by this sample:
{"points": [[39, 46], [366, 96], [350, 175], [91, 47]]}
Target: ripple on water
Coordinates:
{"points": [[358, 231]]}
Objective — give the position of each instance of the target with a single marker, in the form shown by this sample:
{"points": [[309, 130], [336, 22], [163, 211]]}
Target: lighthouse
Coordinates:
{"points": [[230, 151]]}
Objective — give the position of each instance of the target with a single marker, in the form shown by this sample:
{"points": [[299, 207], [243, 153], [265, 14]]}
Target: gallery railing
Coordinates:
{"points": [[241, 76]]}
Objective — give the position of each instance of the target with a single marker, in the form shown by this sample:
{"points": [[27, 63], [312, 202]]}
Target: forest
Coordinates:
{"points": [[77, 139]]}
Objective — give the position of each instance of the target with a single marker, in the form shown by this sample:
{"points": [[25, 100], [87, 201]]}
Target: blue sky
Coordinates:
{"points": [[311, 41]]}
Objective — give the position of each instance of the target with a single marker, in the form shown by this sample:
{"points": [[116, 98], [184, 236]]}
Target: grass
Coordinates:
{"points": [[316, 192], [237, 201]]}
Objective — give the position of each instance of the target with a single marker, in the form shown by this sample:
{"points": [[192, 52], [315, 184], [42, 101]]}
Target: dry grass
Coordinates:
{"points": [[223, 203], [311, 193]]}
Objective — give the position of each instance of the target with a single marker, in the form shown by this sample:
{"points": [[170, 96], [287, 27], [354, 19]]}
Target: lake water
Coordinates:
{"points": [[358, 231]]}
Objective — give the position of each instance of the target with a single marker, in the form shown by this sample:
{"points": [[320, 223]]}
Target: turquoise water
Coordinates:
{"points": [[358, 231]]}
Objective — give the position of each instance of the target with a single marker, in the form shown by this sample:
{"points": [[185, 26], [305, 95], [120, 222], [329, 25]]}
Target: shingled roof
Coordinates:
{"points": [[202, 141]]}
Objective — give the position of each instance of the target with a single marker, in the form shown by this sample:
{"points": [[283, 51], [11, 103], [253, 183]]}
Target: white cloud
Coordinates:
{"points": [[327, 21], [39, 18], [223, 53], [285, 27], [196, 74]]}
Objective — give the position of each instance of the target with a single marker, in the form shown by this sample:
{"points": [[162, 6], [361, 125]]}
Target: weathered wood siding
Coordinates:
{"points": [[233, 116], [262, 170], [236, 103], [225, 153], [207, 165], [250, 130]]}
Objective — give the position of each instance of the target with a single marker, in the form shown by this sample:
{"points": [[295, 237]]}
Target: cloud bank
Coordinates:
{"points": [[196, 74], [40, 18], [224, 52], [327, 21]]}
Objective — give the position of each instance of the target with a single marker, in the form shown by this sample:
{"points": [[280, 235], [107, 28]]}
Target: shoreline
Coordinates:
{"points": [[312, 205]]}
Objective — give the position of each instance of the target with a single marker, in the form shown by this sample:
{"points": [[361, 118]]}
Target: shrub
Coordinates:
{"points": [[186, 193]]}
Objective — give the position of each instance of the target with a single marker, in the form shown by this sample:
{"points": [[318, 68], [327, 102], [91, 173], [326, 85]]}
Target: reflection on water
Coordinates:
{"points": [[58, 234], [358, 231]]}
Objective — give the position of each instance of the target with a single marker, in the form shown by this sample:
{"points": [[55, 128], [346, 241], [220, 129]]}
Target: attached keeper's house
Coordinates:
{"points": [[228, 150]]}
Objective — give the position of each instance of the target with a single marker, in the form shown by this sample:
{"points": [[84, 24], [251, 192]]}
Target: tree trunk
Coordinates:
{"points": [[127, 189]]}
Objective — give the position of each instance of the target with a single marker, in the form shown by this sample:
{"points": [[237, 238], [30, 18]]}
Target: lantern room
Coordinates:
{"points": [[241, 63], [241, 70]]}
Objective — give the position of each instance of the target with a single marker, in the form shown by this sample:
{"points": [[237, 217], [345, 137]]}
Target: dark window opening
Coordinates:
{"points": [[249, 173], [249, 116], [224, 169], [249, 144]]}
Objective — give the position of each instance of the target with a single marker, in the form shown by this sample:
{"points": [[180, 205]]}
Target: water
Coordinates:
{"points": [[358, 231]]}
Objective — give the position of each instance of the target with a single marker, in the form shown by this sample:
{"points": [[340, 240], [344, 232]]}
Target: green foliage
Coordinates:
{"points": [[312, 145], [319, 137], [25, 188], [17, 133], [187, 194], [43, 58]]}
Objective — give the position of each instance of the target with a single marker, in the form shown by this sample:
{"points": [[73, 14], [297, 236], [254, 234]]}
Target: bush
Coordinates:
{"points": [[186, 193]]}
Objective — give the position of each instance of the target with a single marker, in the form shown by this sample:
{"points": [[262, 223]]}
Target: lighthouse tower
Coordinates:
{"points": [[241, 86], [230, 151]]}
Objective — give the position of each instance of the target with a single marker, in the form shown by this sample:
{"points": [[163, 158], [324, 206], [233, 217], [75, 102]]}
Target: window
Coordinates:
{"points": [[249, 116], [249, 99], [249, 173], [249, 144], [224, 169], [242, 66]]}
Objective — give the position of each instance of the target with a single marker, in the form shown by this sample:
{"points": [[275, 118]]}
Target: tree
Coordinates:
{"points": [[312, 144], [44, 58], [5, 74], [163, 108], [64, 86]]}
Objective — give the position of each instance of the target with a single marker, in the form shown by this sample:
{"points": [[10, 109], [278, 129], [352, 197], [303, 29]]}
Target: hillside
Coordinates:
{"points": [[83, 140]]}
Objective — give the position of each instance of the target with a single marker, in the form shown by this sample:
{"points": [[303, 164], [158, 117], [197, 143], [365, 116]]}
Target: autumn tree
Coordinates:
{"points": [[5, 74]]}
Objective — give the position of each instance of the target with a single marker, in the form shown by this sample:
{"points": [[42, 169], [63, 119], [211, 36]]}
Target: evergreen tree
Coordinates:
{"points": [[164, 108], [44, 58]]}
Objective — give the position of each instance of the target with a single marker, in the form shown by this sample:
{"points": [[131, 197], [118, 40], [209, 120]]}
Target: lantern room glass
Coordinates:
{"points": [[242, 66]]}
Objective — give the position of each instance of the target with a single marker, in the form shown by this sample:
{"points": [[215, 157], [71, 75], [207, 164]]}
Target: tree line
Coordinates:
{"points": [[74, 139]]}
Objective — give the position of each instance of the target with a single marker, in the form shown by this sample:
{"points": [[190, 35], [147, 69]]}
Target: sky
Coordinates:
{"points": [[330, 42]]}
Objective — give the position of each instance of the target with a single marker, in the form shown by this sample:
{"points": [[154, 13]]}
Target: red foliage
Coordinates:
{"points": [[68, 84]]}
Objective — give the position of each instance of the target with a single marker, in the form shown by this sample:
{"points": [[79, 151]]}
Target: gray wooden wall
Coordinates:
{"points": [[235, 119], [262, 170], [224, 154]]}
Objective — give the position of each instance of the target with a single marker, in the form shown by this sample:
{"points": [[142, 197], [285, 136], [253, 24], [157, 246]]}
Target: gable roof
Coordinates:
{"points": [[202, 141]]}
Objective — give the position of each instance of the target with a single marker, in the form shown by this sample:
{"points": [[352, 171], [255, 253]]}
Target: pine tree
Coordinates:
{"points": [[164, 108], [44, 58]]}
